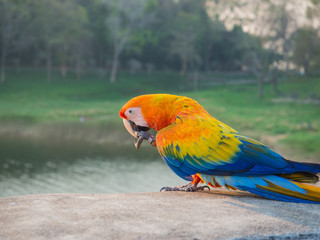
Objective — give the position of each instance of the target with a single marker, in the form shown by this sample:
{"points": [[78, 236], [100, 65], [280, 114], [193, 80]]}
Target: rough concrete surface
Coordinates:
{"points": [[218, 214]]}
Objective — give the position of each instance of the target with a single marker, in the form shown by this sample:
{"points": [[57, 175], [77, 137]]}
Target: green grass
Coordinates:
{"points": [[239, 107], [27, 98]]}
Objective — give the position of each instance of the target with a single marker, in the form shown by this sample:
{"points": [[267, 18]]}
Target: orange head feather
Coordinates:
{"points": [[159, 110]]}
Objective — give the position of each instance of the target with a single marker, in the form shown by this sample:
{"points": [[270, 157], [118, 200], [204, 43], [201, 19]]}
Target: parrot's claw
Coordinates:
{"points": [[185, 188], [143, 135]]}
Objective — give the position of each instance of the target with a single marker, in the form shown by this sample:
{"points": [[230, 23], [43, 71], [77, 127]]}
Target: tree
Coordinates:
{"points": [[275, 38], [306, 48], [283, 26], [13, 30], [100, 41], [60, 31], [75, 35], [190, 33], [125, 18], [313, 14], [184, 34], [211, 36], [273, 22]]}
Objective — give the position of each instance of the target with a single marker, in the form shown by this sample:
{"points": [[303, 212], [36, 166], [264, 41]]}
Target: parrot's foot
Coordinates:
{"points": [[142, 135], [186, 188]]}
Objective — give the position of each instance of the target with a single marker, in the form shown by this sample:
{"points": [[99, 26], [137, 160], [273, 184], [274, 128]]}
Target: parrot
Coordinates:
{"points": [[201, 149]]}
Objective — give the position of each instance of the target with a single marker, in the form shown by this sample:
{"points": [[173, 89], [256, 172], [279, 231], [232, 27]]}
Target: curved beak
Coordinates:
{"points": [[129, 125]]}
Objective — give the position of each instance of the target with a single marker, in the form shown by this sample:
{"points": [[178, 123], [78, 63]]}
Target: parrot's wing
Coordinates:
{"points": [[201, 144]]}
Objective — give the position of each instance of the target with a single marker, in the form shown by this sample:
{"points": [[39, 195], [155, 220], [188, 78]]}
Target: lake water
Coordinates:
{"points": [[36, 167]]}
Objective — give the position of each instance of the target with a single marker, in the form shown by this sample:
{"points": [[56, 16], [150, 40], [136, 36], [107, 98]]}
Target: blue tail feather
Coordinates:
{"points": [[270, 186]]}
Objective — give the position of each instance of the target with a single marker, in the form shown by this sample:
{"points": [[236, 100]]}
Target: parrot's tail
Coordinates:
{"points": [[282, 188]]}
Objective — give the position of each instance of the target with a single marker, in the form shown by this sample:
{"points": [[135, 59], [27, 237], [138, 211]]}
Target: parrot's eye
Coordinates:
{"points": [[130, 112], [134, 114]]}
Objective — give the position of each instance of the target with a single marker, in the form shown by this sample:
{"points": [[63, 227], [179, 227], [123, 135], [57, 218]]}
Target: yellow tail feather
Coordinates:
{"points": [[312, 192]]}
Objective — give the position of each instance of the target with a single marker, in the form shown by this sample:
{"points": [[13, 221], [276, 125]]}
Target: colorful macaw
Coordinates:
{"points": [[201, 149]]}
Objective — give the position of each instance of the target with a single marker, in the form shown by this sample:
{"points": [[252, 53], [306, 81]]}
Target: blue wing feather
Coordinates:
{"points": [[219, 150], [251, 160]]}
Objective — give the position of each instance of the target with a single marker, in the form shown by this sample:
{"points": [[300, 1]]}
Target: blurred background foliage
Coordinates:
{"points": [[67, 67], [149, 35]]}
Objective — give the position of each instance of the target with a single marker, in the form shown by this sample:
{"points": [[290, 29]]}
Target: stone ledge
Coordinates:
{"points": [[218, 214]]}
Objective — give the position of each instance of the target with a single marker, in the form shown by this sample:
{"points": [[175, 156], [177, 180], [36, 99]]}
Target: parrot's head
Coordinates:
{"points": [[147, 111], [154, 111]]}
